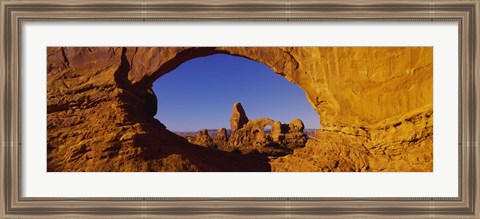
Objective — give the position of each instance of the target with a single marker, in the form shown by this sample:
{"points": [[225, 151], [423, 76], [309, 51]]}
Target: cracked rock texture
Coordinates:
{"points": [[375, 106]]}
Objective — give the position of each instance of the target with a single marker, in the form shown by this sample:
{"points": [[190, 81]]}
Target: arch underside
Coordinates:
{"points": [[375, 105]]}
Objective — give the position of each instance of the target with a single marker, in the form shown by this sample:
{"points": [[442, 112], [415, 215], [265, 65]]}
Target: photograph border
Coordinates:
{"points": [[14, 13]]}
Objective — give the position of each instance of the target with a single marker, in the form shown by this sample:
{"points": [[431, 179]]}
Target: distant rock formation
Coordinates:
{"points": [[238, 118], [203, 138], [252, 137], [289, 136], [253, 133], [221, 138]]}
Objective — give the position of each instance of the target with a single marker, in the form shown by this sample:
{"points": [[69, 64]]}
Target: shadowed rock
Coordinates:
{"points": [[150, 103]]}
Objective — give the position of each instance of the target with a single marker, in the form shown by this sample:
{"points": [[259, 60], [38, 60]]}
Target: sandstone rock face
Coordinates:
{"points": [[375, 105], [203, 138], [221, 138], [239, 117], [296, 125], [405, 146], [294, 136]]}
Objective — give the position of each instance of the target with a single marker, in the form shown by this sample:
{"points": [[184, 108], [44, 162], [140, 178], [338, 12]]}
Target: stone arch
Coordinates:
{"points": [[361, 95], [279, 59], [260, 124], [254, 128]]}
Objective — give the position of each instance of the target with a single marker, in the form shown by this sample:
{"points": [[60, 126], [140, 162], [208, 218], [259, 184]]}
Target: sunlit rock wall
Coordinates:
{"points": [[375, 107]]}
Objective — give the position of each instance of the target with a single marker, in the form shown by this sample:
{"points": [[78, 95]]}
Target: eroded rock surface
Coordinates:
{"points": [[296, 125], [221, 138], [281, 139], [405, 146], [253, 138], [203, 138], [239, 117], [375, 105]]}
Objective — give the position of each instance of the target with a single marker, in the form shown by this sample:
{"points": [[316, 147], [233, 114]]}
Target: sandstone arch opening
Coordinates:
{"points": [[195, 100], [200, 92], [267, 129]]}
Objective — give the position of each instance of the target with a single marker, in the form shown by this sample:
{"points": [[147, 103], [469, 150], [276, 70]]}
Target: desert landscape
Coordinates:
{"points": [[375, 106]]}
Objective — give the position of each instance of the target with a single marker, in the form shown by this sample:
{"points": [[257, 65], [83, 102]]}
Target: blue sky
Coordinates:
{"points": [[200, 94]]}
